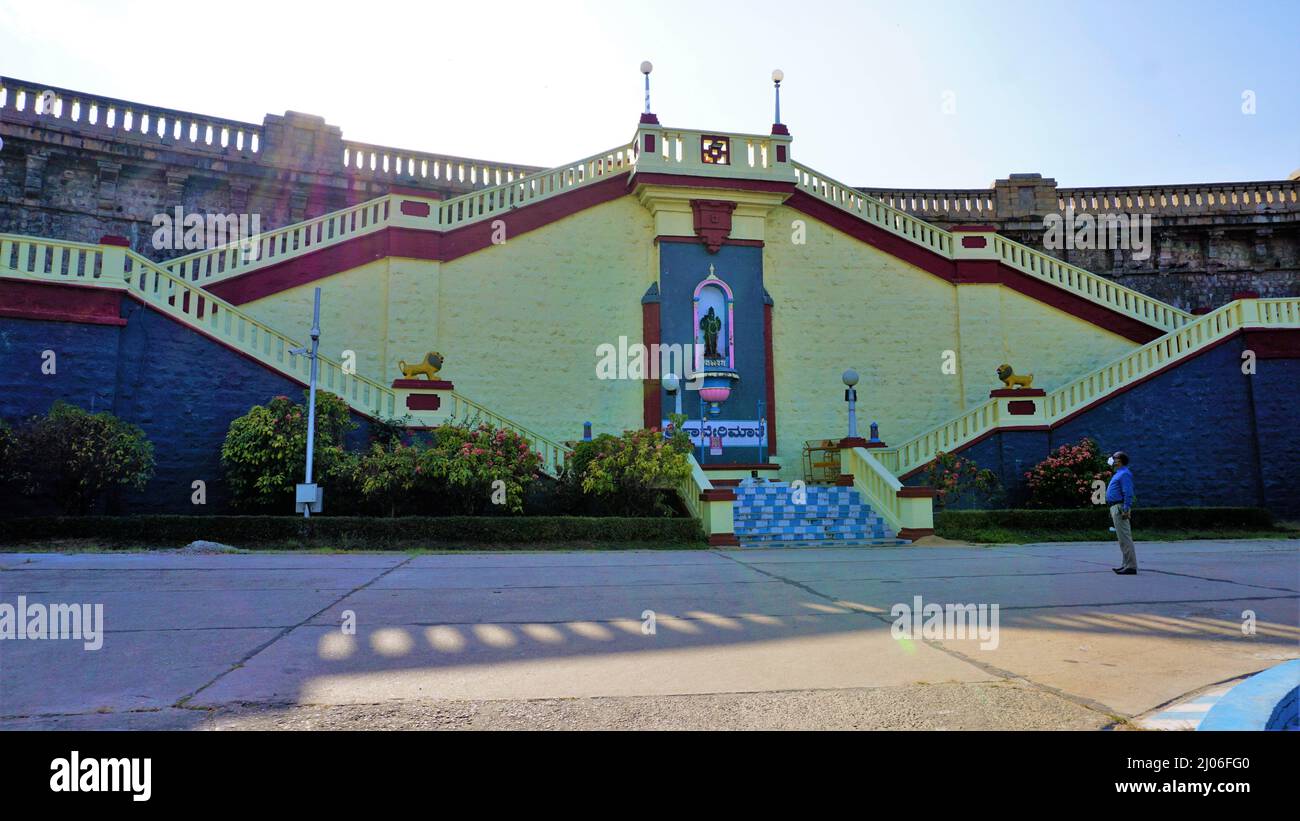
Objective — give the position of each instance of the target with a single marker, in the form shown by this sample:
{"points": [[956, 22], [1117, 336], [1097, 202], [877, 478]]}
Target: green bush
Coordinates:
{"points": [[452, 469], [630, 474], [75, 458], [353, 532], [265, 450], [956, 479], [974, 524], [1065, 478]]}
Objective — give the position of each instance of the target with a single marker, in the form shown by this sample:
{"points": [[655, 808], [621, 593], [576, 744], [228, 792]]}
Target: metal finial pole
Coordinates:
{"points": [[777, 76], [646, 68]]}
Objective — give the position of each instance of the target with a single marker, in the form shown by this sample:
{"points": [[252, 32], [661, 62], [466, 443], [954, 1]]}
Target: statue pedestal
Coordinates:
{"points": [[429, 402], [1020, 406]]}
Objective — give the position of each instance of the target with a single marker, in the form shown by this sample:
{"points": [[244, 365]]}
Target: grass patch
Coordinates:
{"points": [[1091, 525], [89, 546], [349, 533], [998, 535]]}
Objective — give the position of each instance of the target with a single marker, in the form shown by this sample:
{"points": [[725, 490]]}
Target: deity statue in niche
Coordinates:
{"points": [[715, 340], [711, 326]]}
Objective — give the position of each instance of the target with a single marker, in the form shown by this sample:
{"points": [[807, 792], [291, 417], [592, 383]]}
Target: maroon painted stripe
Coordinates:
{"points": [[60, 302], [651, 398], [769, 373]]}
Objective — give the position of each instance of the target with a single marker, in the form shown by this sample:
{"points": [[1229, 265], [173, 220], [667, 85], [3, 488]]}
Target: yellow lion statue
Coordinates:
{"points": [[1010, 380], [429, 366]]}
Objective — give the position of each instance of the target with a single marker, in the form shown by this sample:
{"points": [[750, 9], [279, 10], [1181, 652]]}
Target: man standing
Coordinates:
{"points": [[1119, 495]]}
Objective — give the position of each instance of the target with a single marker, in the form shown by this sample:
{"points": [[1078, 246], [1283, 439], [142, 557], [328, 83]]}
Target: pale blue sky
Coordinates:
{"points": [[1097, 93]]}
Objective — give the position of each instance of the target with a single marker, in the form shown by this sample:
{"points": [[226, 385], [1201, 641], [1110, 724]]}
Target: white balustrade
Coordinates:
{"points": [[1116, 375]]}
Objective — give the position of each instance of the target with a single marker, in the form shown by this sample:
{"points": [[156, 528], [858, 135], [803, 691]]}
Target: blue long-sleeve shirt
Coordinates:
{"points": [[1120, 489]]}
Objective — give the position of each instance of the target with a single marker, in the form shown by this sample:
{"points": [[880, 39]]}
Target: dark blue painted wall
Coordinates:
{"points": [[1275, 391], [1202, 433], [681, 267], [182, 388]]}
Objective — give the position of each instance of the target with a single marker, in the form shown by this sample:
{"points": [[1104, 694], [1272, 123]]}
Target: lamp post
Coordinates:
{"points": [[308, 495], [646, 68], [850, 378], [777, 76]]}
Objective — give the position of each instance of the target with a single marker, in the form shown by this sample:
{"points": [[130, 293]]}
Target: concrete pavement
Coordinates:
{"points": [[753, 638]]}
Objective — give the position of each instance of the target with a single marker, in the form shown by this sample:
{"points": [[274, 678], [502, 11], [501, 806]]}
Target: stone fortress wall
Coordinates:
{"points": [[95, 165], [98, 165], [1209, 241]]}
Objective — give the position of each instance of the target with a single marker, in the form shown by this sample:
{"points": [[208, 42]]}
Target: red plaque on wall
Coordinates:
{"points": [[712, 221]]}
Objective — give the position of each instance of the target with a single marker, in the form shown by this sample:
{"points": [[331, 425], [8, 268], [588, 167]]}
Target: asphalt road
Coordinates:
{"points": [[740, 639]]}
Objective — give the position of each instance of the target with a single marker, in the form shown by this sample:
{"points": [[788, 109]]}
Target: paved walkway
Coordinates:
{"points": [[755, 638]]}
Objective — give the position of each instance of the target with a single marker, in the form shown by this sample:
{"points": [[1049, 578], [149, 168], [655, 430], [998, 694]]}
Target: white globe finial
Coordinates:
{"points": [[850, 377], [671, 382], [778, 75], [647, 67]]}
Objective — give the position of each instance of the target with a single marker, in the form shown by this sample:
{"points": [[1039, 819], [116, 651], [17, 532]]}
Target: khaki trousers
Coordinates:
{"points": [[1124, 532]]}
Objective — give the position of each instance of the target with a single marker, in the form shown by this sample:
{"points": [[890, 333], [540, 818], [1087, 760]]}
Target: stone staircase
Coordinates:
{"points": [[767, 515]]}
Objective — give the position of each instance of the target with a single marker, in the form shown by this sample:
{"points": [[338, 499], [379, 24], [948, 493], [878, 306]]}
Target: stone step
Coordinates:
{"points": [[795, 511], [785, 524], [751, 543], [773, 524], [767, 516], [793, 535]]}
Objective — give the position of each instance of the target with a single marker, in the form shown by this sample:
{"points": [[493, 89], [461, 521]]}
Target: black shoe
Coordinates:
{"points": [[1120, 571]]}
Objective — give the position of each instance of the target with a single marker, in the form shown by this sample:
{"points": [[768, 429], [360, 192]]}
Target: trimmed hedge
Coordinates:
{"points": [[351, 532], [955, 523]]}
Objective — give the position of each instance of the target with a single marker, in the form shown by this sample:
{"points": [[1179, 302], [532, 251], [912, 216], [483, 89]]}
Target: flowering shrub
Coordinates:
{"points": [[627, 474], [75, 458], [265, 451], [954, 478], [452, 470], [476, 458], [1065, 478]]}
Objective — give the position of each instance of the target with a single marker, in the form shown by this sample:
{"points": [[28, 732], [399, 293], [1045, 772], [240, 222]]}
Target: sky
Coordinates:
{"points": [[917, 93]]}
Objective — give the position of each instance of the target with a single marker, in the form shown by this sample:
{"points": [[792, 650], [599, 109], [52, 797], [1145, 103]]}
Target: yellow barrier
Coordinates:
{"points": [[909, 512], [713, 507]]}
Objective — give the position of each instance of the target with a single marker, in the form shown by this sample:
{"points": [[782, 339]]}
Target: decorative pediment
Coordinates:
{"points": [[712, 221]]}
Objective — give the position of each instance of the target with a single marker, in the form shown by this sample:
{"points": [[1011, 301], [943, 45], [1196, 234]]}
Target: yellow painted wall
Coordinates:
{"points": [[1056, 347], [518, 323], [354, 315], [840, 303]]}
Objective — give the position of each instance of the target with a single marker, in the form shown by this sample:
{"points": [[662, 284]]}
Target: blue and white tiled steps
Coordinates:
{"points": [[768, 515]]}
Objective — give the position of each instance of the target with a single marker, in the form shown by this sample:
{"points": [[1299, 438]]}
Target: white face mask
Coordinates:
{"points": [[1111, 461]]}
